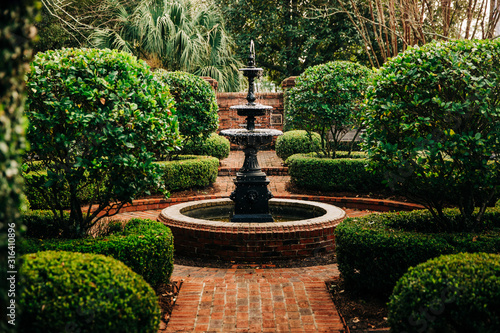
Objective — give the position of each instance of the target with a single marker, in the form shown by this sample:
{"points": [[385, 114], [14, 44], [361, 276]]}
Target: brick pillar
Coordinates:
{"points": [[211, 81], [288, 83]]}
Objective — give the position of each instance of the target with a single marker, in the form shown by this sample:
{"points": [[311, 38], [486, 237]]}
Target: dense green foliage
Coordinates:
{"points": [[188, 171], [314, 172], [182, 35], [215, 145], [433, 124], [374, 251], [195, 103], [143, 245], [16, 33], [326, 100], [75, 292], [96, 117], [287, 39], [453, 293], [297, 142]]}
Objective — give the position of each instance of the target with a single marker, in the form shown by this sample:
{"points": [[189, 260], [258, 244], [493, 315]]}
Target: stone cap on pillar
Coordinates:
{"points": [[289, 82], [211, 81]]}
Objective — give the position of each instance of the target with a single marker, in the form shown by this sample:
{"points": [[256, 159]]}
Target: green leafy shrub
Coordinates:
{"points": [[195, 102], [215, 145], [16, 35], [78, 292], [433, 122], [143, 245], [314, 172], [189, 171], [97, 117], [326, 100], [374, 251], [297, 142], [453, 293]]}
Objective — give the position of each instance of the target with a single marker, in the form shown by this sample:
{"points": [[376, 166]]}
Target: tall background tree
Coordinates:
{"points": [[287, 39], [179, 35], [388, 27]]}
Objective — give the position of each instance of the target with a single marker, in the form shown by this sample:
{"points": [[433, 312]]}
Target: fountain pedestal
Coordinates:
{"points": [[251, 196]]}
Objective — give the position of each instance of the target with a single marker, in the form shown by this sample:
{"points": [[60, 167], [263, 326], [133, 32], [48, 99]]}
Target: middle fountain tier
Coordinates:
{"points": [[251, 196]]}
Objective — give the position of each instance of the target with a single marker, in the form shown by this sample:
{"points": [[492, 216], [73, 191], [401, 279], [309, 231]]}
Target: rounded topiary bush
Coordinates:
{"points": [[376, 250], [195, 102], [452, 293], [433, 122], [326, 100], [75, 292], [297, 142], [215, 145]]}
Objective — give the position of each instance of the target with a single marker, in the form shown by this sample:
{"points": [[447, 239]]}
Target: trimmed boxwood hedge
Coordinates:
{"points": [[314, 172], [187, 171], [452, 293], [144, 245], [76, 292], [297, 142], [215, 145], [374, 251]]}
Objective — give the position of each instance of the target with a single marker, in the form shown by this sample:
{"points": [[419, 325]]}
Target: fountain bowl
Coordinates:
{"points": [[308, 231]]}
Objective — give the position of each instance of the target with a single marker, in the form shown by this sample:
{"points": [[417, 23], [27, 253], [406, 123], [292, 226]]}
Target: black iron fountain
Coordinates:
{"points": [[250, 226], [251, 196]]}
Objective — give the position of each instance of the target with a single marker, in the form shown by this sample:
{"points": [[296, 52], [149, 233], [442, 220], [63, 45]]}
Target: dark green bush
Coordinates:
{"points": [[433, 122], [195, 102], [188, 171], [374, 251], [145, 246], [326, 99], [215, 145], [452, 293], [76, 292], [333, 174], [97, 117], [297, 142], [16, 35]]}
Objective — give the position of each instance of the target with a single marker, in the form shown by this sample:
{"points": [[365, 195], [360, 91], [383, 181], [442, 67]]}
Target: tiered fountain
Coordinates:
{"points": [[243, 227], [251, 196]]}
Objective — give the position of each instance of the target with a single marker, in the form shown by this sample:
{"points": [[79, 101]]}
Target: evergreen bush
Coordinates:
{"points": [[145, 246], [76, 292], [188, 171], [96, 117], [433, 123], [452, 293], [297, 142], [215, 145], [374, 251]]}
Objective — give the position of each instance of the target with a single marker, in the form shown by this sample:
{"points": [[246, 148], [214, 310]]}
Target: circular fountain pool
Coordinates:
{"points": [[302, 229]]}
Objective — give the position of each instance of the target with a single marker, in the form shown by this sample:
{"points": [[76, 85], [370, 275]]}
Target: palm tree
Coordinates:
{"points": [[182, 36]]}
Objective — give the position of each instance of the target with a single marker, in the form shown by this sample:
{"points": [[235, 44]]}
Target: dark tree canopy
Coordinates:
{"points": [[287, 38]]}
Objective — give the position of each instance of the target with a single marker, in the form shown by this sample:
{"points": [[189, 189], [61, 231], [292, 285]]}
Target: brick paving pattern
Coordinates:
{"points": [[254, 300]]}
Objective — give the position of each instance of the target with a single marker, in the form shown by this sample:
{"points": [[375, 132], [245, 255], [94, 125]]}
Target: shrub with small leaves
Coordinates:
{"points": [[195, 102], [189, 171], [326, 100], [433, 124], [76, 292], [215, 145], [96, 117], [297, 142], [452, 293]]}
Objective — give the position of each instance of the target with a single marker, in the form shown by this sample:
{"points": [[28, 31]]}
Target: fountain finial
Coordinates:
{"points": [[251, 57]]}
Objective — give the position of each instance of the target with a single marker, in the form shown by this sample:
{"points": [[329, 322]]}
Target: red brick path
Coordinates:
{"points": [[254, 300]]}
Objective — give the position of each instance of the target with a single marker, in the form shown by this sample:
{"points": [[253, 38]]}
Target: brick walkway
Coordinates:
{"points": [[254, 300]]}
